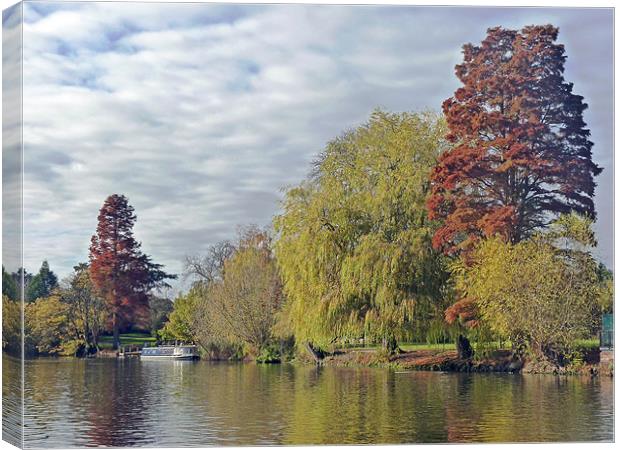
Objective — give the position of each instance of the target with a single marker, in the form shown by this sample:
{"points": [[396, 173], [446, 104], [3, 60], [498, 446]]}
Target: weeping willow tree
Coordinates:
{"points": [[354, 242]]}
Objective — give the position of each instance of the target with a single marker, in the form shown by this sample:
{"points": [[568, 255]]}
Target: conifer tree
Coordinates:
{"points": [[120, 272]]}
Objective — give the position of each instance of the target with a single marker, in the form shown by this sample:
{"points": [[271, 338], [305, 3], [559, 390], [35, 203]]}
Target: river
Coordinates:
{"points": [[107, 402]]}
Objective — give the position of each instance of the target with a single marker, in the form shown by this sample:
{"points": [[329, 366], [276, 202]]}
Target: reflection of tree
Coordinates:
{"points": [[516, 408], [12, 409], [246, 403], [117, 413], [171, 403], [353, 406]]}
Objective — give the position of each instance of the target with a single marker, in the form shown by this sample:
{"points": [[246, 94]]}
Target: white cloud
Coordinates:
{"points": [[201, 113]]}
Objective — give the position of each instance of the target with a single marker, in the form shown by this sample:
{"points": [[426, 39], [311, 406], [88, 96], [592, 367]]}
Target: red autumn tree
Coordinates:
{"points": [[121, 273], [521, 152]]}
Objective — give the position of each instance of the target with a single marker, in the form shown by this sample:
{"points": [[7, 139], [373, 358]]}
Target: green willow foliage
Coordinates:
{"points": [[354, 241]]}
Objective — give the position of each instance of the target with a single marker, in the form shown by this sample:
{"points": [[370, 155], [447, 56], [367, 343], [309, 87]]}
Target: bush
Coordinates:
{"points": [[543, 291], [269, 355]]}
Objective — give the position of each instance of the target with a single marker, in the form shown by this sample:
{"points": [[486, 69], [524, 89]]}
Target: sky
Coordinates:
{"points": [[202, 114]]}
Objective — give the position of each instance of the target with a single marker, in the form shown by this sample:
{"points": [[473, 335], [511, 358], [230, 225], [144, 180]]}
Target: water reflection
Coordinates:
{"points": [[165, 403]]}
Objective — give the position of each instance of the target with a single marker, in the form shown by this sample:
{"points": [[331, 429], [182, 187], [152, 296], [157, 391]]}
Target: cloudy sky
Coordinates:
{"points": [[200, 114]]}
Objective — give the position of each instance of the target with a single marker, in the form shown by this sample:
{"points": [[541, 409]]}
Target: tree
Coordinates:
{"points": [[233, 303], [179, 325], [46, 324], [9, 287], [42, 284], [244, 303], [160, 309], [354, 240], [22, 276], [543, 291], [606, 279], [87, 311], [193, 317], [521, 154], [11, 325], [208, 268], [121, 273]]}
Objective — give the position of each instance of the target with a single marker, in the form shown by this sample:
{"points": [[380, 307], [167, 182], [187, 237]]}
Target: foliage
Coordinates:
{"points": [[234, 301], [242, 305], [42, 284], [354, 240], [521, 153], [9, 286], [21, 276], [606, 279], [121, 273], [543, 291], [179, 324], [11, 325], [269, 354], [160, 308], [87, 311], [47, 324]]}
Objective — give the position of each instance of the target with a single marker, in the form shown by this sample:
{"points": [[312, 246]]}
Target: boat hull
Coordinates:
{"points": [[176, 352], [176, 357]]}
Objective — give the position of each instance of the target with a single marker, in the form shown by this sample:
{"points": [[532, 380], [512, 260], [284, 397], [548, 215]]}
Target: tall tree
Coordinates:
{"points": [[120, 272], [87, 311], [9, 287], [521, 153], [42, 284], [22, 276], [354, 240]]}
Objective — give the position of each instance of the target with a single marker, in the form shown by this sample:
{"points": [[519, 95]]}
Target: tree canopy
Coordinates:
{"points": [[353, 242], [544, 291], [120, 272], [42, 284], [9, 286], [521, 152], [87, 313]]}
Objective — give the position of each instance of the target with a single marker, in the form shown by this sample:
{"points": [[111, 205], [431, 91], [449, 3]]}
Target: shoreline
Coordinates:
{"points": [[501, 361]]}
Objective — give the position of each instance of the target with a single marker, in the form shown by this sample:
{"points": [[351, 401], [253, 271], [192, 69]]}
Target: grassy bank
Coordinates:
{"points": [[105, 342]]}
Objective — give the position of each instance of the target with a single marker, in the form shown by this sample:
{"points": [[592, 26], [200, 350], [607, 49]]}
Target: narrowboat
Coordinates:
{"points": [[173, 351]]}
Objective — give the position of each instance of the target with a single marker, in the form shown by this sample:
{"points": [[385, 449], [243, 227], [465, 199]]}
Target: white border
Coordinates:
{"points": [[489, 3]]}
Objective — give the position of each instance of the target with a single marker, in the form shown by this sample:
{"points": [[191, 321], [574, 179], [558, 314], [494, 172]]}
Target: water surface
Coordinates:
{"points": [[108, 402]]}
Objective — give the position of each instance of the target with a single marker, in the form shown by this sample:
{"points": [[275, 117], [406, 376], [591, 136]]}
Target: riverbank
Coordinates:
{"points": [[448, 361]]}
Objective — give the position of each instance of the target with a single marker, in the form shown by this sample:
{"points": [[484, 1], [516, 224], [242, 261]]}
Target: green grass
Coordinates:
{"points": [[587, 343], [424, 346], [411, 346], [105, 342]]}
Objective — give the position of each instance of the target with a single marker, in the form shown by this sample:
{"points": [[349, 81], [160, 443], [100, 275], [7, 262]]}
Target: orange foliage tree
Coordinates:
{"points": [[520, 154], [120, 272]]}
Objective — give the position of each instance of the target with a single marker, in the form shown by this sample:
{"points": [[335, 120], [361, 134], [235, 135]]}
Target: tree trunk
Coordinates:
{"points": [[463, 347], [116, 340], [317, 355], [390, 345]]}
